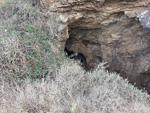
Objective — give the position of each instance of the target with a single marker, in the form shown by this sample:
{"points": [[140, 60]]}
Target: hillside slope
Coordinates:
{"points": [[36, 77]]}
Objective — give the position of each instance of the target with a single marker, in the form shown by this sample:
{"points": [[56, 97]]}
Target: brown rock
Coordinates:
{"points": [[114, 31]]}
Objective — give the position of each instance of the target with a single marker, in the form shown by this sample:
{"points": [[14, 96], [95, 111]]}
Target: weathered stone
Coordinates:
{"points": [[114, 31]]}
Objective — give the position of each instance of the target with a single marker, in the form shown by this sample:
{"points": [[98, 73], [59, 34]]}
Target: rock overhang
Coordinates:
{"points": [[114, 31]]}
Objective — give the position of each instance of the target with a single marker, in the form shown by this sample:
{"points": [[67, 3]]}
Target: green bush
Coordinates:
{"points": [[36, 40]]}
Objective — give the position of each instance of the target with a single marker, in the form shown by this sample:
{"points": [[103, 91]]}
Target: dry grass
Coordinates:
{"points": [[35, 79], [75, 91]]}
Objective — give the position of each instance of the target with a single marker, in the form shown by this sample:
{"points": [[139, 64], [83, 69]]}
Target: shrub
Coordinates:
{"points": [[76, 91], [31, 37]]}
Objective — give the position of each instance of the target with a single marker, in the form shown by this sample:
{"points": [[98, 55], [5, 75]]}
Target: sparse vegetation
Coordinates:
{"points": [[35, 77]]}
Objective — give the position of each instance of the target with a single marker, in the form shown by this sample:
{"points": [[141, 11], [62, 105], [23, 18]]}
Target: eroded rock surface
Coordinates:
{"points": [[113, 31]]}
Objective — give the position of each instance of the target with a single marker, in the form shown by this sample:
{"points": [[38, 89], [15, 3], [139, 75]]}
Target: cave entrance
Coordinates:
{"points": [[83, 45], [122, 42]]}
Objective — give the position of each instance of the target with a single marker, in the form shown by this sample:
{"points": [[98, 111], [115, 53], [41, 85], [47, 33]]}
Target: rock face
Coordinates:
{"points": [[113, 31]]}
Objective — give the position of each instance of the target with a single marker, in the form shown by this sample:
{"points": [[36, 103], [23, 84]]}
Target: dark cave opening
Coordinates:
{"points": [[76, 56], [75, 52], [119, 43]]}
